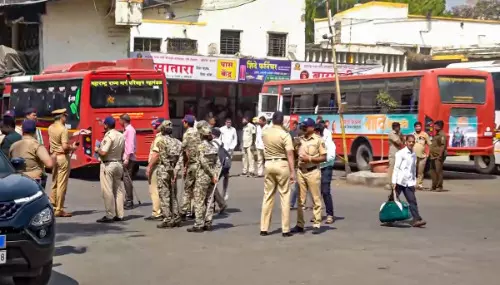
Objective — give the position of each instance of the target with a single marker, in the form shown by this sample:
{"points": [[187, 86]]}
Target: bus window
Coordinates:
{"points": [[269, 103], [126, 93], [46, 97], [350, 89], [405, 92], [369, 91], [462, 90], [325, 103]]}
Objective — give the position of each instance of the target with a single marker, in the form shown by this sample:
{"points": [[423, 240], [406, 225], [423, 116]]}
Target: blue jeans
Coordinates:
{"points": [[326, 180], [295, 194]]}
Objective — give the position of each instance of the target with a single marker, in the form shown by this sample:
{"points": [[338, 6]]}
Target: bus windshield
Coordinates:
{"points": [[459, 90], [126, 93]]}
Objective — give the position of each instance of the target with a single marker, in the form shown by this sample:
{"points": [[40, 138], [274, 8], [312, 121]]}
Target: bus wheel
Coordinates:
{"points": [[485, 164], [364, 155]]}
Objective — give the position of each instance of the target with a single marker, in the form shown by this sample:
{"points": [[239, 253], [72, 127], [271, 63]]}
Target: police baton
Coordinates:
{"points": [[211, 200]]}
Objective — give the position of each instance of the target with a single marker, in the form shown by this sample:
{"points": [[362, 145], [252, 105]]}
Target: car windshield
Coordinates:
{"points": [[5, 166]]}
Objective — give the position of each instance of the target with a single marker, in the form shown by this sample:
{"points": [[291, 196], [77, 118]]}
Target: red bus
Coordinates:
{"points": [[462, 98], [91, 91]]}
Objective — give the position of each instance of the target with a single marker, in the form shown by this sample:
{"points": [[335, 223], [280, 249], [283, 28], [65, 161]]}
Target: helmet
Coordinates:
{"points": [[167, 124], [204, 128]]}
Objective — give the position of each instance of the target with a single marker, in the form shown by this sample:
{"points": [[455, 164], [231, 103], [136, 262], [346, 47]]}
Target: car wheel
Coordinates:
{"points": [[42, 279]]}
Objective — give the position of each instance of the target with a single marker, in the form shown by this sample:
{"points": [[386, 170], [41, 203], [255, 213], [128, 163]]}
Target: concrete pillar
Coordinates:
{"points": [[398, 63], [15, 36], [393, 63]]}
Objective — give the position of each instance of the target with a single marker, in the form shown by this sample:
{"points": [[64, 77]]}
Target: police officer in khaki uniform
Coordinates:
{"points": [[249, 132], [110, 153], [35, 155], [421, 140], [156, 215], [396, 142], [437, 156], [60, 150], [279, 174], [312, 152]]}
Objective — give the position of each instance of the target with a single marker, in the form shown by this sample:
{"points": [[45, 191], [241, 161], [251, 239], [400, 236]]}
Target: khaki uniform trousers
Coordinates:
{"points": [[309, 180], [437, 174], [60, 176], [248, 160], [112, 188], [420, 171], [153, 192], [392, 161], [260, 162], [276, 177]]}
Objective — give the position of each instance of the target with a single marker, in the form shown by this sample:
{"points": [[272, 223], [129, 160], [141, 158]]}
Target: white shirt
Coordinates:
{"points": [[331, 149], [259, 144], [405, 168], [229, 137]]}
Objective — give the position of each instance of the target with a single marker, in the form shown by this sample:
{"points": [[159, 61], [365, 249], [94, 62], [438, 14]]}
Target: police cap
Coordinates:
{"points": [[29, 126], [59, 112]]}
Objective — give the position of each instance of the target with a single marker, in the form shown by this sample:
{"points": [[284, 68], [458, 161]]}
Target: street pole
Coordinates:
{"points": [[337, 90]]}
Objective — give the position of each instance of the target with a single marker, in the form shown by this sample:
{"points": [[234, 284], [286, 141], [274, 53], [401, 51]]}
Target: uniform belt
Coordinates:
{"points": [[109, 161], [308, 169], [276, 159]]}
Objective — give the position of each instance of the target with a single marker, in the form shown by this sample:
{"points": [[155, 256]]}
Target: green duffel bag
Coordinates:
{"points": [[394, 211]]}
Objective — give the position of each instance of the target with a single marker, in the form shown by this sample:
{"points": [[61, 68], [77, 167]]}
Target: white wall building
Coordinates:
{"points": [[81, 30], [381, 24], [261, 29]]}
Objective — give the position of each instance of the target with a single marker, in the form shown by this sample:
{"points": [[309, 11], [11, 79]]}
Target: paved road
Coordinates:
{"points": [[459, 246]]}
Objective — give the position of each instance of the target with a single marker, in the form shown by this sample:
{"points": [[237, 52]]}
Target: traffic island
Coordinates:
{"points": [[367, 178]]}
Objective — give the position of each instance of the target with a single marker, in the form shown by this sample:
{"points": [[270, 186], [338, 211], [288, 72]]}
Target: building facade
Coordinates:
{"points": [[377, 25]]}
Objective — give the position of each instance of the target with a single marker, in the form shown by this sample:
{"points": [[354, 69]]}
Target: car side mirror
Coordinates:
{"points": [[18, 163]]}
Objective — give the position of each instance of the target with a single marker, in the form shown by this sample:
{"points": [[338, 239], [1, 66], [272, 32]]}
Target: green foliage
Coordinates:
{"points": [[385, 101], [316, 9], [484, 10]]}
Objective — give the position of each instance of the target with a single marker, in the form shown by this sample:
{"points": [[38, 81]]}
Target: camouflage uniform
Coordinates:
{"points": [[209, 167], [169, 151], [190, 142]]}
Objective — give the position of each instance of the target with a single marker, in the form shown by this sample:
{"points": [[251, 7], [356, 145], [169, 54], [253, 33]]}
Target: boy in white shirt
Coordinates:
{"points": [[404, 178]]}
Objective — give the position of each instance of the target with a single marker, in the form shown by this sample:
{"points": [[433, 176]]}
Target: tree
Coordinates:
{"points": [[483, 10], [316, 8]]}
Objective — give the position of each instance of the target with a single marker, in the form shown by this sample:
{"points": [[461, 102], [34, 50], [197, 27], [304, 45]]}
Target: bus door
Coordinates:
{"points": [[268, 104]]}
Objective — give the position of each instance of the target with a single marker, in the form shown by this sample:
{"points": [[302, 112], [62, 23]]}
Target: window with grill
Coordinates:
{"points": [[147, 44], [229, 42], [182, 46], [277, 45]]}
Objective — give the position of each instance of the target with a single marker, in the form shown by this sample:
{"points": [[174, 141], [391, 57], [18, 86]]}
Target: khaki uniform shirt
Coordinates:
{"points": [[154, 147], [33, 153], [248, 133], [438, 143], [276, 142], [114, 144], [394, 143], [421, 140], [313, 146], [58, 134]]}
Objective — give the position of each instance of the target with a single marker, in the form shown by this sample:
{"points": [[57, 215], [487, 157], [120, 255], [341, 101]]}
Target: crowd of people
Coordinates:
{"points": [[297, 162]]}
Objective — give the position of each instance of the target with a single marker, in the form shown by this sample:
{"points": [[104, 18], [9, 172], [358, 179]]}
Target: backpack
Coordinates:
{"points": [[224, 156]]}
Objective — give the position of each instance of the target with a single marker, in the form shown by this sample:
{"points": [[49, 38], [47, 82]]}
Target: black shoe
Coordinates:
{"points": [[153, 218], [208, 228], [298, 230], [195, 230], [190, 216], [116, 219], [128, 205], [316, 231], [183, 217], [165, 225], [221, 210], [264, 233], [105, 220], [289, 234]]}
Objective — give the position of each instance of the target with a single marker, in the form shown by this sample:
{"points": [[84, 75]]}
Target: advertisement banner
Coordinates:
{"points": [[308, 70], [371, 124], [463, 130], [261, 70], [192, 67]]}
